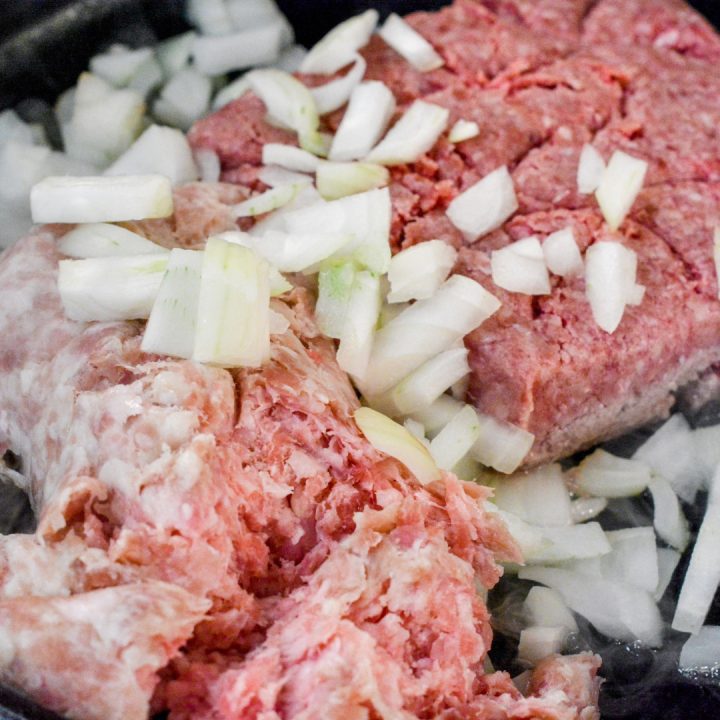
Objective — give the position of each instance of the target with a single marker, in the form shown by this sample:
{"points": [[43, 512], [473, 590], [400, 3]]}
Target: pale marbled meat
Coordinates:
{"points": [[227, 544], [638, 76]]}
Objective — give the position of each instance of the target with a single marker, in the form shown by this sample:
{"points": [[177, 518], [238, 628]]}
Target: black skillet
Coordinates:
{"points": [[45, 44]]}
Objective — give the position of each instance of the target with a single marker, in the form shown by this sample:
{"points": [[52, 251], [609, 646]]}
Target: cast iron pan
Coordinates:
{"points": [[45, 44]]}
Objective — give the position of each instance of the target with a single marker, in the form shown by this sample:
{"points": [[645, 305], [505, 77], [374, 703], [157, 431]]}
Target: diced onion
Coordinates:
{"points": [[290, 58], [409, 43], [147, 77], [289, 157], [119, 64], [520, 267], [702, 651], [365, 215], [159, 150], [104, 240], [232, 91], [562, 255], [633, 559], [247, 14], [500, 445], [425, 329], [706, 442], [454, 441], [110, 288], [668, 560], [358, 330], [671, 452], [296, 253], [208, 164], [170, 330], [335, 180], [215, 55], [620, 184], [609, 276], [335, 284], [703, 573], [529, 538], [619, 611], [484, 206], [184, 99], [174, 53], [544, 606], [537, 643], [417, 272], [273, 176], [339, 46], [463, 130], [539, 497], [368, 113], [435, 417], [233, 307], [336, 93], [424, 385], [605, 475], [412, 135], [210, 16], [101, 199], [392, 439], [266, 202], [289, 103], [584, 509], [569, 543], [669, 520], [590, 170]]}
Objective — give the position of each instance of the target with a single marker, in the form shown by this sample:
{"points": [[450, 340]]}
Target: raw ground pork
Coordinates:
{"points": [[541, 78], [227, 545]]}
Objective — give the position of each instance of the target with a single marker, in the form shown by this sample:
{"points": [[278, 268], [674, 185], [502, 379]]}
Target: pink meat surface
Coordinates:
{"points": [[541, 79], [227, 544]]}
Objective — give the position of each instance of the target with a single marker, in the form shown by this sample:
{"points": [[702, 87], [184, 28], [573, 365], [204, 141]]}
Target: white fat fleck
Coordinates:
{"points": [[121, 405], [7, 648], [188, 470], [118, 475], [564, 132], [303, 465], [179, 427], [186, 510], [170, 388], [28, 377]]}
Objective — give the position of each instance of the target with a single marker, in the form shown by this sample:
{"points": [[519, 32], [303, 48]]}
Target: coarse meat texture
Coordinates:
{"points": [[226, 545], [542, 78]]}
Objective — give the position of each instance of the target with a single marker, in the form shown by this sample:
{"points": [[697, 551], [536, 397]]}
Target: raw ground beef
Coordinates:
{"points": [[226, 545], [541, 78]]}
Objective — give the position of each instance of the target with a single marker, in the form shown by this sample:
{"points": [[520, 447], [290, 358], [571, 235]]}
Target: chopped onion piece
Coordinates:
{"points": [[520, 267], [171, 327], [101, 199], [702, 651], [119, 64], [636, 294], [337, 49], [417, 272], [620, 184], [590, 170], [366, 215], [570, 543], [409, 43], [703, 573], [21, 167], [537, 643], [425, 329], [13, 129], [706, 442], [392, 439], [544, 606], [279, 324], [335, 284], [290, 157], [671, 452], [416, 430], [605, 475], [358, 330], [668, 560], [184, 99], [500, 445], [160, 150], [484, 206], [454, 441], [633, 559], [424, 385], [274, 176], [105, 240], [295, 253], [336, 180], [233, 326], [110, 288], [174, 53], [463, 130], [609, 277], [266, 202], [215, 55], [435, 417], [467, 469], [291, 58], [529, 538], [232, 91], [619, 611], [562, 255], [584, 509], [289, 103], [412, 135], [246, 14], [336, 93], [208, 164], [539, 497], [209, 16], [147, 77], [368, 113], [669, 520]]}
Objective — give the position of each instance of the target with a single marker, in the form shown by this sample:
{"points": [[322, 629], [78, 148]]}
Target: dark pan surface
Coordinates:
{"points": [[45, 44]]}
